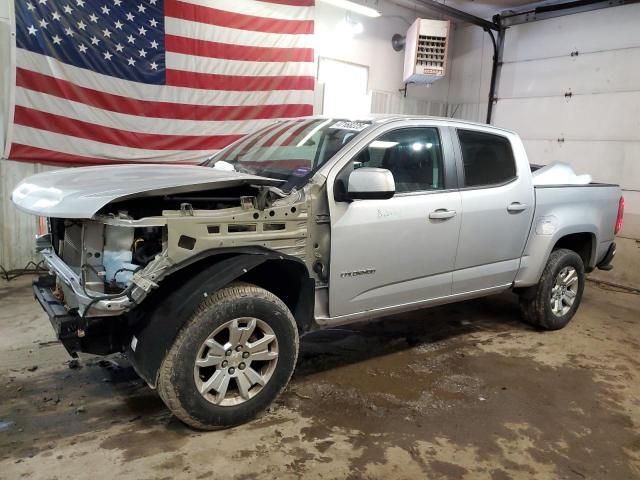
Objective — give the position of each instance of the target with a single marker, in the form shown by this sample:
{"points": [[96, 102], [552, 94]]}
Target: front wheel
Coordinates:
{"points": [[231, 359], [553, 302]]}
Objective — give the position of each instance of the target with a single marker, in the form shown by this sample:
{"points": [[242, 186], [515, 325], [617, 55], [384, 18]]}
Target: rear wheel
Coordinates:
{"points": [[553, 302], [231, 359]]}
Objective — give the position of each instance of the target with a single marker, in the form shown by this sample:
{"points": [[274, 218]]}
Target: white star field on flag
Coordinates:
{"points": [[123, 39]]}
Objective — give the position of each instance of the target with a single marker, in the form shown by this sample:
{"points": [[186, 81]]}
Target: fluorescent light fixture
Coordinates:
{"points": [[354, 7]]}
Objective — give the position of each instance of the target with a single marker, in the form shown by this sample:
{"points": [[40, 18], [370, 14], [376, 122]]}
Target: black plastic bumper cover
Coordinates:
{"points": [[96, 335]]}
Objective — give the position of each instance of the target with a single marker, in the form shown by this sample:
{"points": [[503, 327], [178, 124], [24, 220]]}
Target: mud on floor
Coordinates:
{"points": [[464, 391]]}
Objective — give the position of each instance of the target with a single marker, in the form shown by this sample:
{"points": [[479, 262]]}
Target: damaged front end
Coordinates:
{"points": [[99, 271], [102, 268], [105, 266]]}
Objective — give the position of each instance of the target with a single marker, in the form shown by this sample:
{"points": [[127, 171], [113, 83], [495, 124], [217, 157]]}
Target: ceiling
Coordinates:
{"points": [[481, 8]]}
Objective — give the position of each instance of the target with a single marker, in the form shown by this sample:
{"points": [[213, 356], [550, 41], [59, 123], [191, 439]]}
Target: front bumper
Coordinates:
{"points": [[96, 335]]}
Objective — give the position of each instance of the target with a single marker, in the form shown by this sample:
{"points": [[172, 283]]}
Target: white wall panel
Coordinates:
{"points": [[16, 228], [605, 117], [608, 71], [608, 162], [470, 68], [392, 102], [473, 112], [4, 10], [598, 30]]}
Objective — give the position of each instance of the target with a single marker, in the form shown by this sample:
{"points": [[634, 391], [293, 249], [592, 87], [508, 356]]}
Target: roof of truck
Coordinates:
{"points": [[389, 117]]}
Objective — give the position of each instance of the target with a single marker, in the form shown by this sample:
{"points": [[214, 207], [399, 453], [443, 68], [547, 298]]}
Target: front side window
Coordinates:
{"points": [[487, 158], [413, 155]]}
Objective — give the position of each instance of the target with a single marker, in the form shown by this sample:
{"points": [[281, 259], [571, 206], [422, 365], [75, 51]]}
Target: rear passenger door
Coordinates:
{"points": [[497, 207]]}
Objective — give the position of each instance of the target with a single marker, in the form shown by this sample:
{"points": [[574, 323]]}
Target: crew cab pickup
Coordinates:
{"points": [[206, 276]]}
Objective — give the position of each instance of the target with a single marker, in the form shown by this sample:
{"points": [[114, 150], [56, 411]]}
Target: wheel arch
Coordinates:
{"points": [[161, 316], [583, 239], [583, 243]]}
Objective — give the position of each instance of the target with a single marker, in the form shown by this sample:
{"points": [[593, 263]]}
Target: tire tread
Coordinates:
{"points": [[166, 389], [533, 302]]}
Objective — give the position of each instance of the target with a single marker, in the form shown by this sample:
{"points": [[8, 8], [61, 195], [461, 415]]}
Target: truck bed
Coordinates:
{"points": [[562, 210]]}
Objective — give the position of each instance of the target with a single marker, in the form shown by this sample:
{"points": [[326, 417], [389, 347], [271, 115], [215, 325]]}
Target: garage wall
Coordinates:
{"points": [[462, 93], [470, 74], [372, 48]]}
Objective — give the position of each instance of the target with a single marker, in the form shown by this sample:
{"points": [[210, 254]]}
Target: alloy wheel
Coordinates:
{"points": [[236, 361], [564, 291]]}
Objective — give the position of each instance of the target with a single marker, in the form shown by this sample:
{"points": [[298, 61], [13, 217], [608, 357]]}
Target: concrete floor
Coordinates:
{"points": [[463, 391]]}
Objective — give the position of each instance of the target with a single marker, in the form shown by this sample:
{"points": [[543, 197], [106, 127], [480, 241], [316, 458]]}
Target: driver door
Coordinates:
{"points": [[387, 253]]}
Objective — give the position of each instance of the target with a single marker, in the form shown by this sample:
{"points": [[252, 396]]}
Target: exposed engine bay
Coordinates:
{"points": [[107, 265]]}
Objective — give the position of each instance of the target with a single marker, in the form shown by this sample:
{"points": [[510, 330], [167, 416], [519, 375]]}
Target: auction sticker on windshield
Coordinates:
{"points": [[344, 125]]}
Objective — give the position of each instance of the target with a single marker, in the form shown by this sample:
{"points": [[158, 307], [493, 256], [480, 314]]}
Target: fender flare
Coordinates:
{"points": [[156, 331]]}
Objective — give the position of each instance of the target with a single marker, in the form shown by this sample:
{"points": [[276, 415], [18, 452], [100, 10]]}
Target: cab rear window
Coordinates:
{"points": [[488, 159]]}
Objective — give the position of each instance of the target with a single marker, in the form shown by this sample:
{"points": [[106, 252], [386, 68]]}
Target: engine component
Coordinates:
{"points": [[118, 255]]}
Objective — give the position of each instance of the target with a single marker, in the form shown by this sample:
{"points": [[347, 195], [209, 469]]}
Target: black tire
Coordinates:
{"points": [[176, 383], [535, 302]]}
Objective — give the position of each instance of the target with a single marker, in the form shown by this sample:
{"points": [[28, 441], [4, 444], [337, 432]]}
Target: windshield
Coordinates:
{"points": [[291, 151]]}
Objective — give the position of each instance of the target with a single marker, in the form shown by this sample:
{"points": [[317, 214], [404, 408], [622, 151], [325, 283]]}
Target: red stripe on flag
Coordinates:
{"points": [[227, 51], [35, 154], [222, 18], [42, 155], [143, 108], [237, 83], [91, 131]]}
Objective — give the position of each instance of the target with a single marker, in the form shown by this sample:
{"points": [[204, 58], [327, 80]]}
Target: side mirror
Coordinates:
{"points": [[368, 183]]}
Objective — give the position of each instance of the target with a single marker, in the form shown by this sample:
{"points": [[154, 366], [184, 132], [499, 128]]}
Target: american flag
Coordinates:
{"points": [[99, 81]]}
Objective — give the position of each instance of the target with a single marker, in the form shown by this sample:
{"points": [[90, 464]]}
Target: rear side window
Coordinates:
{"points": [[488, 159]]}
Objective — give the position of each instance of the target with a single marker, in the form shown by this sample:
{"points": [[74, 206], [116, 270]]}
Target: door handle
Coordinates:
{"points": [[517, 207], [442, 214]]}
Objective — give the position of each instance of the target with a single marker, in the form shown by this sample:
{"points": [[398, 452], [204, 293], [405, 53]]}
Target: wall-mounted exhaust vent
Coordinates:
{"points": [[425, 56]]}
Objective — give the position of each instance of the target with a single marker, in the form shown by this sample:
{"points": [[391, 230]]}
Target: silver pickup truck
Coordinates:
{"points": [[206, 276]]}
